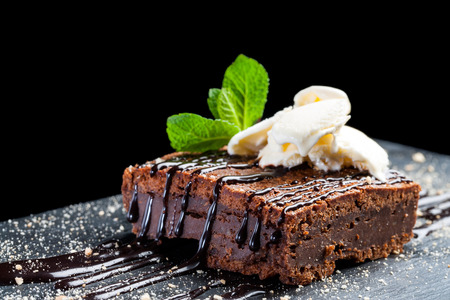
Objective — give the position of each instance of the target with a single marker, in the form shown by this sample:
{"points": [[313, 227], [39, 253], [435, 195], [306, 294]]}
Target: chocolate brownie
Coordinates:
{"points": [[293, 223]]}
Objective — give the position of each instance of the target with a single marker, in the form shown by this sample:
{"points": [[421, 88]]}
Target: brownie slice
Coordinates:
{"points": [[292, 223]]}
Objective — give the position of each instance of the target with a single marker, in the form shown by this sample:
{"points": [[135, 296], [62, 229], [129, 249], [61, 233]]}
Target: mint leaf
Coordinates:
{"points": [[191, 132], [228, 107], [213, 94], [248, 82]]}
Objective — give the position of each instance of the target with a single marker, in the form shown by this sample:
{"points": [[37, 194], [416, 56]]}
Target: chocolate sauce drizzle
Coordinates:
{"points": [[108, 254], [245, 291], [192, 294], [434, 212], [306, 194], [116, 256], [241, 235], [184, 206], [254, 244], [133, 210], [145, 225], [163, 215]]}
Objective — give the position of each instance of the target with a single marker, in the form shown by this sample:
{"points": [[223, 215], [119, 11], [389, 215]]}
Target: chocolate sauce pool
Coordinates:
{"points": [[128, 253]]}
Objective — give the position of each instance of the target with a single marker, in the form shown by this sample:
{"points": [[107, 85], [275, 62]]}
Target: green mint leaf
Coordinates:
{"points": [[248, 81], [228, 108], [194, 133], [213, 94]]}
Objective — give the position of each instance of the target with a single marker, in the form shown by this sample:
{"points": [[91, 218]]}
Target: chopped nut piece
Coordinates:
{"points": [[19, 280], [419, 157], [88, 251], [145, 296], [409, 167], [18, 267]]}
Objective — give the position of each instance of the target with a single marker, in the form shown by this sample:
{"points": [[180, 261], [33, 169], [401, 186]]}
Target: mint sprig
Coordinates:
{"points": [[236, 106]]}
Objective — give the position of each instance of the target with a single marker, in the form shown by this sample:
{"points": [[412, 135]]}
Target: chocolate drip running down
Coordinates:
{"points": [[120, 256], [241, 236], [133, 211]]}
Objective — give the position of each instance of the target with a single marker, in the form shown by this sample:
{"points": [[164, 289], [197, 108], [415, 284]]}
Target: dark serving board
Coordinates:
{"points": [[420, 272]]}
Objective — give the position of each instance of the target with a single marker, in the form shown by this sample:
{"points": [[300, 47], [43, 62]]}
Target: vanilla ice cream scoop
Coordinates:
{"points": [[313, 131], [253, 139]]}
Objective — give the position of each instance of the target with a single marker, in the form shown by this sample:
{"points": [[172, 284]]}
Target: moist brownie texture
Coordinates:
{"points": [[292, 223]]}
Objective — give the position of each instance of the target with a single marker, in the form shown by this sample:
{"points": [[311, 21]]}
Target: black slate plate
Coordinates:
{"points": [[422, 271]]}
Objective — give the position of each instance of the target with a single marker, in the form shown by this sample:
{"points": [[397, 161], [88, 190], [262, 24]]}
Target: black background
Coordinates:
{"points": [[85, 102]]}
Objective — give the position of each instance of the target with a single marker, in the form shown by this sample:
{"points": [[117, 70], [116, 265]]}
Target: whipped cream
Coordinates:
{"points": [[312, 130]]}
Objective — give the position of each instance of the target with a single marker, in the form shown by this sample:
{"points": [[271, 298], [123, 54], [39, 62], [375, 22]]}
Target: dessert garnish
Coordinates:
{"points": [[235, 107], [312, 130]]}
